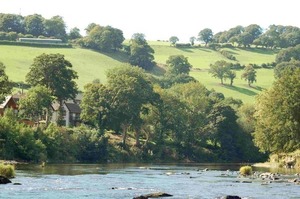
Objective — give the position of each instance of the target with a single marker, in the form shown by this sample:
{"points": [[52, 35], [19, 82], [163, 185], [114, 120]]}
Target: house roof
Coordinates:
{"points": [[73, 108], [7, 98]]}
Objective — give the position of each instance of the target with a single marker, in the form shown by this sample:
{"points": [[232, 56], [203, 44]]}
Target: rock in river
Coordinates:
{"points": [[153, 195]]}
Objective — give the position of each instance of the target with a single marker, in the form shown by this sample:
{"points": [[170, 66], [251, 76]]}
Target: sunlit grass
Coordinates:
{"points": [[92, 65], [240, 88], [88, 64]]}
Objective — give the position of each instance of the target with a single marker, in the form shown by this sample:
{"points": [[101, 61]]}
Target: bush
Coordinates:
{"points": [[246, 170], [227, 54], [7, 171], [183, 45]]}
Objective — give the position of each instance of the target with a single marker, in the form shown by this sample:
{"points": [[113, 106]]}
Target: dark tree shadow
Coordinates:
{"points": [[185, 49], [241, 90]]}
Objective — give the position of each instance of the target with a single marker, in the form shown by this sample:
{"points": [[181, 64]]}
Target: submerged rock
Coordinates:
{"points": [[4, 180], [231, 197], [153, 195]]}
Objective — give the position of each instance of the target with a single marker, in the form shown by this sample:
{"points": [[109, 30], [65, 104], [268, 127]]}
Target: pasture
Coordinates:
{"points": [[91, 65]]}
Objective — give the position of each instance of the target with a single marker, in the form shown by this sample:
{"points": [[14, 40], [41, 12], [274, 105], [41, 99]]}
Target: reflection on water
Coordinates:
{"points": [[130, 180]]}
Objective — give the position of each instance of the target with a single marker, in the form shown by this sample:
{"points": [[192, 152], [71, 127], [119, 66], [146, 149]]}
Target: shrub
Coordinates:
{"points": [[183, 45], [246, 170], [228, 55], [7, 170]]}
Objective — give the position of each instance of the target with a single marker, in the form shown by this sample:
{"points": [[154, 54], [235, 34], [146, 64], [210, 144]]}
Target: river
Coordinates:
{"points": [[122, 181]]}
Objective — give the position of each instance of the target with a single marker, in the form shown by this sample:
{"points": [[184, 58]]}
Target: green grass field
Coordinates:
{"points": [[240, 88], [89, 65], [92, 65]]}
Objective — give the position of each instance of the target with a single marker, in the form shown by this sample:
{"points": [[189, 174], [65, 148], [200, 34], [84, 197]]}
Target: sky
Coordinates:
{"points": [[161, 19]]}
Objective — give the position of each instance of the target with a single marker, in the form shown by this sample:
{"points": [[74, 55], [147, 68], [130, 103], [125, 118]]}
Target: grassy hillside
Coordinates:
{"points": [[91, 65]]}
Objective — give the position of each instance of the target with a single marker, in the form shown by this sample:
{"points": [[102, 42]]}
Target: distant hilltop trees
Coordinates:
{"points": [[13, 27]]}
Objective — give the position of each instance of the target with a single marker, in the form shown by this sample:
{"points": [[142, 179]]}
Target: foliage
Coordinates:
{"points": [[90, 145], [118, 104], [55, 73], [178, 64], [249, 74], [173, 40], [205, 35], [230, 75], [277, 115], [34, 25], [101, 38], [246, 170], [219, 69], [74, 33], [55, 27], [192, 40], [288, 54], [141, 54], [19, 140], [5, 84], [11, 23], [282, 66], [7, 170], [37, 101]]}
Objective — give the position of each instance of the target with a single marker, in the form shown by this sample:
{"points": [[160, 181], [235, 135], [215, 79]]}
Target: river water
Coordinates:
{"points": [[122, 181]]}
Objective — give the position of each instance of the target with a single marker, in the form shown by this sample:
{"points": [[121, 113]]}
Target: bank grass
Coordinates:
{"points": [[246, 170], [7, 170]]}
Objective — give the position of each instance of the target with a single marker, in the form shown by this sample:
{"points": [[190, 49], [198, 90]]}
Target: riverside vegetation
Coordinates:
{"points": [[156, 102]]}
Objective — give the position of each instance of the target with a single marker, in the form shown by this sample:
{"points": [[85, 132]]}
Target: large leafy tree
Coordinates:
{"points": [[178, 64], [36, 103], [205, 35], [55, 73], [11, 23], [74, 33], [55, 27], [103, 38], [173, 40], [34, 25], [278, 114], [118, 105], [141, 54], [219, 70], [249, 74], [5, 84]]}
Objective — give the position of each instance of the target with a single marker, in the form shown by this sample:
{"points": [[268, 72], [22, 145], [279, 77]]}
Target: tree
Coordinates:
{"points": [[223, 131], [281, 67], [205, 35], [219, 69], [173, 40], [192, 40], [141, 54], [230, 75], [119, 104], [245, 39], [34, 25], [36, 103], [278, 114], [74, 33], [5, 84], [288, 54], [249, 74], [103, 38], [55, 27], [55, 73], [178, 64], [11, 23], [132, 91]]}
